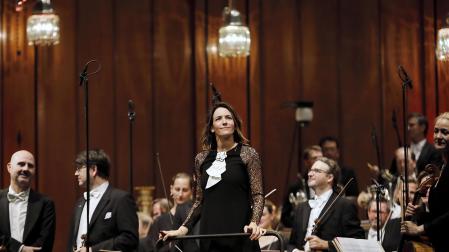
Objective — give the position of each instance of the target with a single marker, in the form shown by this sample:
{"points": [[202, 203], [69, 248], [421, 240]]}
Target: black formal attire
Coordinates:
{"points": [[392, 235], [346, 174], [428, 155], [340, 221], [439, 212], [288, 208], [226, 206], [113, 225], [39, 230], [167, 221]]}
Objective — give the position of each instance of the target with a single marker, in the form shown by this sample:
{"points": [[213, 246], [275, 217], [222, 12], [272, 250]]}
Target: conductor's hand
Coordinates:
{"points": [[256, 232], [182, 230], [30, 249], [411, 210], [316, 243]]}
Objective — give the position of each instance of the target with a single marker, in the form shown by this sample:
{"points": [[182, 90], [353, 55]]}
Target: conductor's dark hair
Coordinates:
{"points": [[98, 158]]}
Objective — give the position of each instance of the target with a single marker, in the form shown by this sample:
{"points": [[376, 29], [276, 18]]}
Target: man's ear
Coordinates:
{"points": [[9, 167], [94, 170]]}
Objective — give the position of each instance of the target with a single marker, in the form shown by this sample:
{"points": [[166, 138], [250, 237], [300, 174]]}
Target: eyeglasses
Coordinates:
{"points": [[315, 170], [79, 168]]}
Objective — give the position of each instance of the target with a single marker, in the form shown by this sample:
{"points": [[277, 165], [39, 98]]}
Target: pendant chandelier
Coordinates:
{"points": [[234, 38], [442, 50], [43, 25]]}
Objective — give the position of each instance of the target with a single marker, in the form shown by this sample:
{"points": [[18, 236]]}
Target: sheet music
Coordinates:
{"points": [[343, 244]]}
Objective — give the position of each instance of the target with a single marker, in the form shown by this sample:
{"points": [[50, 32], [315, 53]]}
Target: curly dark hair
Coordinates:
{"points": [[208, 140]]}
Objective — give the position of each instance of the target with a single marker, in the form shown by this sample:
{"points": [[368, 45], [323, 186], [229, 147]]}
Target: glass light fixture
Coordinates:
{"points": [[234, 38], [43, 25], [442, 50]]}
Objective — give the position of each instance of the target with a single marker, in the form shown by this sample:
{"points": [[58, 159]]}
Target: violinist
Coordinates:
{"points": [[341, 219], [299, 191], [438, 216]]}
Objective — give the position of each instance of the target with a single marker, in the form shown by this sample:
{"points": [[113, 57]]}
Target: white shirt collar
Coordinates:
{"points": [[26, 192], [324, 197], [101, 188], [419, 145]]}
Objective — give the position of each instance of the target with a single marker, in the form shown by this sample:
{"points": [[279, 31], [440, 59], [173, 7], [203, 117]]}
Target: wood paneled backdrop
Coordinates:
{"points": [[341, 54]]}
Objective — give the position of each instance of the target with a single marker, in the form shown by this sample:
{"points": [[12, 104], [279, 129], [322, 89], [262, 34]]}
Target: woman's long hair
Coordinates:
{"points": [[208, 140]]}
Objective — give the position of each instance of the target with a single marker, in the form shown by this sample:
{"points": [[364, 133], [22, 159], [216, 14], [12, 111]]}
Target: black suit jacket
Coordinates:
{"points": [[114, 224], [392, 235], [429, 155], [340, 221], [39, 230]]}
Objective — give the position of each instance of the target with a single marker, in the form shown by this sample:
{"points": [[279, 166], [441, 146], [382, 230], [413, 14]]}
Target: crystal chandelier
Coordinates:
{"points": [[442, 50], [43, 25], [234, 38]]}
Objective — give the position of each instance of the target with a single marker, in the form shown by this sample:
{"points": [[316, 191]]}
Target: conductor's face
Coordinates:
{"points": [[222, 122], [22, 169], [441, 133]]}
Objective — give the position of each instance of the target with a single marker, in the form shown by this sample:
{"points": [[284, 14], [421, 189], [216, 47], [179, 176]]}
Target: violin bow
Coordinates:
{"points": [[318, 220]]}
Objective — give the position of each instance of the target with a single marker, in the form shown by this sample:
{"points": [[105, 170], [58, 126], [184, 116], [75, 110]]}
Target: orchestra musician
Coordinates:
{"points": [[27, 218], [438, 205], [341, 220], [113, 223]]}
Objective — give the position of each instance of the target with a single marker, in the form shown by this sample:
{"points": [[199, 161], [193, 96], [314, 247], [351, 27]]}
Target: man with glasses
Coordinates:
{"points": [[340, 221], [299, 191], [113, 223], [27, 218]]}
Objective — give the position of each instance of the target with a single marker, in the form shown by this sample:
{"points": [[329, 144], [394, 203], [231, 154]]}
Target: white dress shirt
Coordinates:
{"points": [[95, 197], [372, 234], [18, 213], [417, 148], [317, 204]]}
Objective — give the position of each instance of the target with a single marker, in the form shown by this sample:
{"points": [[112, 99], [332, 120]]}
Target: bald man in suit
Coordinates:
{"points": [[27, 217]]}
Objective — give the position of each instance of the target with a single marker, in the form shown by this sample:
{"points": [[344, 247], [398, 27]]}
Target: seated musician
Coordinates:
{"points": [[340, 220], [390, 229], [438, 217], [268, 222]]}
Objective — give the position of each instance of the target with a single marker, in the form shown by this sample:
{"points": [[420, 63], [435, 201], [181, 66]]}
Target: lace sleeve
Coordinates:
{"points": [[251, 158], [195, 212]]}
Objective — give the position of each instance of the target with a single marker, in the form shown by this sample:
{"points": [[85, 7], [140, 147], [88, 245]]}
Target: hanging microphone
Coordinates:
{"points": [[131, 112], [404, 77], [83, 74]]}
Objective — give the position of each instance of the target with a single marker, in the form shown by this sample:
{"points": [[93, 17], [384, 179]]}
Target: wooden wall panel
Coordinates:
{"points": [[95, 40], [429, 62], [255, 102], [201, 71], [360, 92], [57, 128], [280, 84], [18, 131], [400, 47], [320, 67], [133, 81], [174, 138]]}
